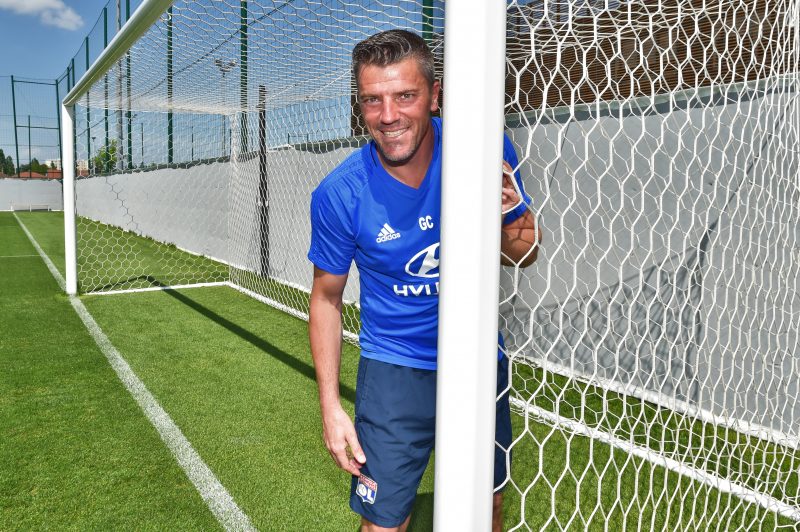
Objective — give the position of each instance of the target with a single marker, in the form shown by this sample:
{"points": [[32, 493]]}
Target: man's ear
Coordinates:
{"points": [[435, 96]]}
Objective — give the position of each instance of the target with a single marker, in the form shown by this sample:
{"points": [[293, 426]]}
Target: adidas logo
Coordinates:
{"points": [[386, 234]]}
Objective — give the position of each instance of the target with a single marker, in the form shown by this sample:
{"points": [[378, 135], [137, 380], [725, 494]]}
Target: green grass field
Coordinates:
{"points": [[77, 453]]}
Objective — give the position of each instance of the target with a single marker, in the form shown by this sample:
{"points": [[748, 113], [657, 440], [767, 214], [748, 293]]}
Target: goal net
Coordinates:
{"points": [[655, 368]]}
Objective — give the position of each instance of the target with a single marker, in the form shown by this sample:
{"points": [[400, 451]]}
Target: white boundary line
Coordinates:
{"points": [[769, 435], [705, 477], [216, 497], [156, 289], [16, 256]]}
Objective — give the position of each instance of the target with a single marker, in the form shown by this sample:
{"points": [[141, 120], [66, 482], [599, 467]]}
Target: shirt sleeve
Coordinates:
{"points": [[510, 156], [332, 238]]}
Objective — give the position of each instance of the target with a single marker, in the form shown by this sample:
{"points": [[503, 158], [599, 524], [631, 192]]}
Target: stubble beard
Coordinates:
{"points": [[401, 158], [397, 159]]}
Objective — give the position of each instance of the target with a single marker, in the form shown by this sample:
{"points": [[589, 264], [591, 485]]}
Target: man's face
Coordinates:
{"points": [[396, 102]]}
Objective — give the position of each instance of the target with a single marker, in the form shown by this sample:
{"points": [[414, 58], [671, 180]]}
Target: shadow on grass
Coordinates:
{"points": [[278, 354]]}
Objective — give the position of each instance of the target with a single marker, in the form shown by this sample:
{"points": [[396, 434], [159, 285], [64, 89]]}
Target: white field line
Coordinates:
{"points": [[16, 256], [155, 289], [767, 434], [706, 477], [216, 497]]}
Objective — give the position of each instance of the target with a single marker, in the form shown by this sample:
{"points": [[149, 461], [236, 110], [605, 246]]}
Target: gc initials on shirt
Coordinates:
{"points": [[425, 223]]}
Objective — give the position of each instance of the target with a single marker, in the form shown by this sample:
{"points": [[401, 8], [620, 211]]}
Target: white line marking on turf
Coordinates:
{"points": [[219, 501], [16, 256], [706, 477], [156, 288]]}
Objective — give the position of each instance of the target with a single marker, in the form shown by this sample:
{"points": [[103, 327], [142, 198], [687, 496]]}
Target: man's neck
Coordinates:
{"points": [[412, 172]]}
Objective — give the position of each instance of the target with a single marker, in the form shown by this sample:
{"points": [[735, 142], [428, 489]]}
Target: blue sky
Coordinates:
{"points": [[38, 37]]}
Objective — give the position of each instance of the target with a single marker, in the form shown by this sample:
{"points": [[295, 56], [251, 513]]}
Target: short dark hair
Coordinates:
{"points": [[391, 47]]}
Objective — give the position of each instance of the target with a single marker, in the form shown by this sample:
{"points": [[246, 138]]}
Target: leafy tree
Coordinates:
{"points": [[34, 166], [106, 158], [38, 167], [6, 164]]}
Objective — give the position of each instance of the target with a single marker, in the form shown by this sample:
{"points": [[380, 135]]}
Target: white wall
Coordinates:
{"points": [[30, 191], [188, 208], [663, 272]]}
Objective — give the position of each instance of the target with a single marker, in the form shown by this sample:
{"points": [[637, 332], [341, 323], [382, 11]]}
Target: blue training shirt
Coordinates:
{"points": [[360, 212]]}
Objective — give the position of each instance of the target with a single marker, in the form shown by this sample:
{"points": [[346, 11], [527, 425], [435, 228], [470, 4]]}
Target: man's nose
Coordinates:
{"points": [[389, 112]]}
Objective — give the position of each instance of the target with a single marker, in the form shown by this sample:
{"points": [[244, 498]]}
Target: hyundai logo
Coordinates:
{"points": [[425, 263]]}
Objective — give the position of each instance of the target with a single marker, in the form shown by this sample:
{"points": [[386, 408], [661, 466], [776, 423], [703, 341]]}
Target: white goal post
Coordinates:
{"points": [[470, 250], [653, 346]]}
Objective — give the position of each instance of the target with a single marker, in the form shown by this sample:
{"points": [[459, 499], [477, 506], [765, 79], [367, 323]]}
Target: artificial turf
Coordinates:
{"points": [[76, 453], [236, 377]]}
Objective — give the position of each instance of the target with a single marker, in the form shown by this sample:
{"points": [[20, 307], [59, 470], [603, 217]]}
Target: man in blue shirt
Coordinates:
{"points": [[381, 209]]}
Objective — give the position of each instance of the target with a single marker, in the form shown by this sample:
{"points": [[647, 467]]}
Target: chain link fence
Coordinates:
{"points": [[30, 139]]}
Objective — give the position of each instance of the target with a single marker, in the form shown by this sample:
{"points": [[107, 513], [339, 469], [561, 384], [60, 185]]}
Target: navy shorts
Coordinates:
{"points": [[396, 423]]}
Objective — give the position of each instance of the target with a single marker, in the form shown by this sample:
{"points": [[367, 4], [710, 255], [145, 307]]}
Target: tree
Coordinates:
{"points": [[6, 164], [106, 158], [34, 166]]}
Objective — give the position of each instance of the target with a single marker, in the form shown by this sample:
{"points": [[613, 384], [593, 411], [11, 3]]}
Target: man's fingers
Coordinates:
{"points": [[355, 448], [510, 196], [345, 450], [339, 455]]}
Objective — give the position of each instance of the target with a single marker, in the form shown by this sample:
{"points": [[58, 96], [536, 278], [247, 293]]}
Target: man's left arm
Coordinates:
{"points": [[521, 236], [519, 241]]}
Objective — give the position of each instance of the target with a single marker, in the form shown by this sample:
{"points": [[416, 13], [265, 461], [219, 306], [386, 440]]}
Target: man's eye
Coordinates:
{"points": [[406, 95], [367, 101]]}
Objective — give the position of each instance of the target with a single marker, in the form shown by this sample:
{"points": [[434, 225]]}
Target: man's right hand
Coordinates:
{"points": [[325, 337], [341, 440]]}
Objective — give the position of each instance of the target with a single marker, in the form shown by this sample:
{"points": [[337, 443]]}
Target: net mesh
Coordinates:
{"points": [[655, 368]]}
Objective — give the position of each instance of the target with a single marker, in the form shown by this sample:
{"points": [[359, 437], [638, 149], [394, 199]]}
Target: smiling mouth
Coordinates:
{"points": [[394, 134]]}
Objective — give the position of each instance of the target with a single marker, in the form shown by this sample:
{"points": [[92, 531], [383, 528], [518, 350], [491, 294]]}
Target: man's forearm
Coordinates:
{"points": [[325, 335], [519, 241]]}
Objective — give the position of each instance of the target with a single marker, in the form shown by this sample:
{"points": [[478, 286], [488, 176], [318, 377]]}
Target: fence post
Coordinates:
{"points": [[243, 134], [105, 160], [88, 117], [128, 84], [58, 123], [263, 184], [170, 145], [427, 21], [30, 155], [14, 112], [120, 163]]}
